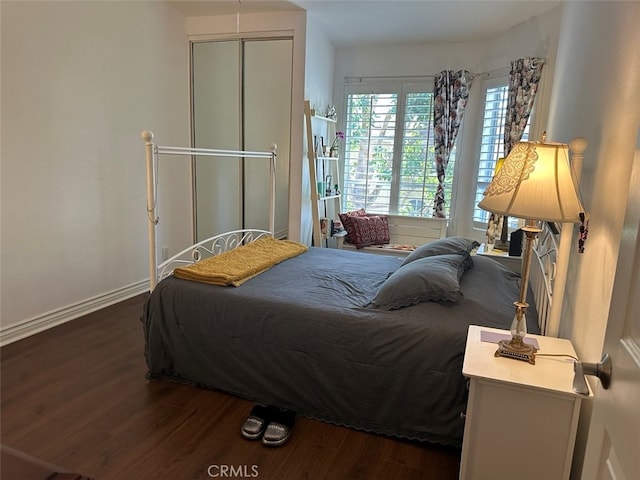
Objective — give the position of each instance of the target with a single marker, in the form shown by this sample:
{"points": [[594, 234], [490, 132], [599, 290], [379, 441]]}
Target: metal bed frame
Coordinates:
{"points": [[210, 246]]}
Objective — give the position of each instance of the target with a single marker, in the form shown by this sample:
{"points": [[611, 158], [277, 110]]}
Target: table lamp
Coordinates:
{"points": [[534, 183]]}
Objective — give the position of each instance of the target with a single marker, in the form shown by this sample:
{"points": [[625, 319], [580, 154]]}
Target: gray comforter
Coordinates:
{"points": [[300, 336]]}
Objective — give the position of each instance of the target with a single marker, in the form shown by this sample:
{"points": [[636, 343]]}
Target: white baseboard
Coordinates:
{"points": [[25, 328]]}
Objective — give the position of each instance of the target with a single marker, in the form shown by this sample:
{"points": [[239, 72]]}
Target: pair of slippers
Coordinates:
{"points": [[273, 424]]}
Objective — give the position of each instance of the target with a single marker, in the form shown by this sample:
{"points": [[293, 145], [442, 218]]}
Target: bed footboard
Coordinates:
{"points": [[207, 248], [211, 246]]}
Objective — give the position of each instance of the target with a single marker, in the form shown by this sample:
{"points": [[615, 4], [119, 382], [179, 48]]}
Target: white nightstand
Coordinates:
{"points": [[521, 419], [514, 263]]}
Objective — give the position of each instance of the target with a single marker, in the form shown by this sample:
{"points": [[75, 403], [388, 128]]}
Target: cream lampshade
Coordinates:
{"points": [[535, 183]]}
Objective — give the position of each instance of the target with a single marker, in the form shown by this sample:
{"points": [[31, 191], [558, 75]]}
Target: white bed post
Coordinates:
{"points": [[147, 136], [272, 199]]}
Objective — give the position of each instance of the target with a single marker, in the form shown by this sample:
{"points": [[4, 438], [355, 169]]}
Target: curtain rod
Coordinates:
{"points": [[360, 79]]}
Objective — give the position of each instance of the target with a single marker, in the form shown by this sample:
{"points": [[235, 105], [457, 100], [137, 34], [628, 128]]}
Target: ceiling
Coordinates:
{"points": [[371, 22]]}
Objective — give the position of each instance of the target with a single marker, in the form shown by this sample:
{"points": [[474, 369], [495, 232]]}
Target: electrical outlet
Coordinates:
{"points": [[165, 253]]}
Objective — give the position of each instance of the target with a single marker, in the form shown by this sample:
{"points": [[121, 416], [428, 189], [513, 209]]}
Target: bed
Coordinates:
{"points": [[315, 333]]}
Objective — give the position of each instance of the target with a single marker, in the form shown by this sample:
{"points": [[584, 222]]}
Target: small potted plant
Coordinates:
{"points": [[333, 150]]}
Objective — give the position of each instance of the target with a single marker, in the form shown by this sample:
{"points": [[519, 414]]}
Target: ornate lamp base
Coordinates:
{"points": [[516, 349]]}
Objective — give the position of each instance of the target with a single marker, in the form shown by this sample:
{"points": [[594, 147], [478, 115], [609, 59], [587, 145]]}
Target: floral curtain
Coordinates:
{"points": [[450, 94], [523, 86]]}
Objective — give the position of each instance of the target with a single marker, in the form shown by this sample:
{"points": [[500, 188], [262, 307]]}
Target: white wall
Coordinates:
{"points": [[318, 88], [536, 37], [596, 96], [80, 81], [319, 66]]}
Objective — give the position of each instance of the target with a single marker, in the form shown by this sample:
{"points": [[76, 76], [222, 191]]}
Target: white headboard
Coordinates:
{"points": [[542, 276]]}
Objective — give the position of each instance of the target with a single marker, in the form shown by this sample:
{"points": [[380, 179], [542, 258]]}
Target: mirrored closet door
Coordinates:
{"points": [[241, 99]]}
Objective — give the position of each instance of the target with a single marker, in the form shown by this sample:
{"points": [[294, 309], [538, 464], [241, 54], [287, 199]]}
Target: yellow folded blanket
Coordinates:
{"points": [[236, 266]]}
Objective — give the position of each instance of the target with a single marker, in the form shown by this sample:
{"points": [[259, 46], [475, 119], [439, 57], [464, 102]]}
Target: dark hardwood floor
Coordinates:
{"points": [[76, 396]]}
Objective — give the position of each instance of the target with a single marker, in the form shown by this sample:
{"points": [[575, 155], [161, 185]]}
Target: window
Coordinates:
{"points": [[492, 147], [389, 157]]}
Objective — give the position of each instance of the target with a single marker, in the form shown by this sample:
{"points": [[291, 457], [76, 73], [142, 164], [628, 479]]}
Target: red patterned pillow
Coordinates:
{"points": [[369, 231], [345, 219]]}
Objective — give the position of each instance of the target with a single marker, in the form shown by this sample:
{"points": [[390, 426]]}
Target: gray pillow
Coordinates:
{"points": [[443, 246], [435, 278]]}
